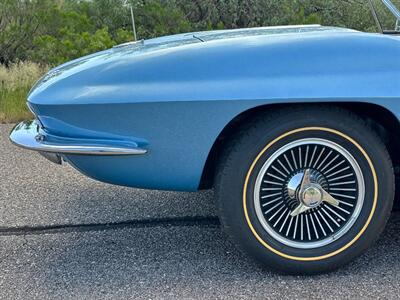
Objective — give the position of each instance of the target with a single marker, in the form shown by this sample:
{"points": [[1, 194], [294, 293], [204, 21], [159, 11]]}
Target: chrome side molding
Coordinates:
{"points": [[29, 135]]}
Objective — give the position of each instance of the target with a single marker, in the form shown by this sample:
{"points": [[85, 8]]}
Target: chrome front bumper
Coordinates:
{"points": [[30, 135]]}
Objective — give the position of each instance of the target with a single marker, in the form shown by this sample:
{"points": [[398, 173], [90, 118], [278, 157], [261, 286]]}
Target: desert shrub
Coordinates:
{"points": [[54, 31]]}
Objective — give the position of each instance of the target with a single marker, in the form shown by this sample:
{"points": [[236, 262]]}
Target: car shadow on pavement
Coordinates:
{"points": [[181, 260]]}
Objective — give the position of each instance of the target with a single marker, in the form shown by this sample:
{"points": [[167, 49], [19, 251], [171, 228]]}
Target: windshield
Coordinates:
{"points": [[386, 14]]}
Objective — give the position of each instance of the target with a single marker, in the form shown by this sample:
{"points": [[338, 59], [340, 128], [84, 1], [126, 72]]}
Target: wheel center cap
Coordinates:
{"points": [[311, 196]]}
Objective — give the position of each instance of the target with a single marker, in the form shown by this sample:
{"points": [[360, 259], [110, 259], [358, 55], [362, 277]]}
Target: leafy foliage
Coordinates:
{"points": [[54, 31]]}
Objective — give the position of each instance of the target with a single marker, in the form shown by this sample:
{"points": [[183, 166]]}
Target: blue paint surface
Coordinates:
{"points": [[174, 95]]}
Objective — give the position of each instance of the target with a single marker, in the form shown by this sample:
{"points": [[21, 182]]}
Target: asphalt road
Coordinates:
{"points": [[64, 236]]}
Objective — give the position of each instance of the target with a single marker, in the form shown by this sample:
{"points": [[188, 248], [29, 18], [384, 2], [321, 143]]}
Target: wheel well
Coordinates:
{"points": [[379, 118]]}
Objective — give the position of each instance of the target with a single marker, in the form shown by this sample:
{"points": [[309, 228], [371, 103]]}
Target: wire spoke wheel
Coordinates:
{"points": [[309, 193], [305, 190]]}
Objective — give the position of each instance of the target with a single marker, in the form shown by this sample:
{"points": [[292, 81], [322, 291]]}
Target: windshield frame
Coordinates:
{"points": [[395, 12]]}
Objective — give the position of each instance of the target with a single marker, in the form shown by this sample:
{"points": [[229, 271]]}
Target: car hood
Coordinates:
{"points": [[129, 52]]}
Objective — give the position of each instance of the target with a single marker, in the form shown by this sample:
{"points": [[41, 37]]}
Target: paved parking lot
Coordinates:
{"points": [[63, 235]]}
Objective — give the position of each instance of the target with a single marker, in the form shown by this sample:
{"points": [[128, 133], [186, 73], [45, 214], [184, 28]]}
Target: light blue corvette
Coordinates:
{"points": [[297, 128]]}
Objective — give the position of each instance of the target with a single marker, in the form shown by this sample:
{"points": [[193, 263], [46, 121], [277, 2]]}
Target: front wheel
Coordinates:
{"points": [[305, 191]]}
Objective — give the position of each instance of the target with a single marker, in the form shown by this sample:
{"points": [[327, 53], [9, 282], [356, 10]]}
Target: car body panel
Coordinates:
{"points": [[175, 95]]}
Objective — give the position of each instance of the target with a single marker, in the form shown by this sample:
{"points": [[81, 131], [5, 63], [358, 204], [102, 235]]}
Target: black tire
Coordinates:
{"points": [[257, 142]]}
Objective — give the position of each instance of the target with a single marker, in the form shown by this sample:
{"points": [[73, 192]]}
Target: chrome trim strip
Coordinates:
{"points": [[27, 135], [133, 43], [393, 9]]}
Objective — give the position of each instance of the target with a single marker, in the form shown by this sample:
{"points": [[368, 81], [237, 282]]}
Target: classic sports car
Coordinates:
{"points": [[296, 128]]}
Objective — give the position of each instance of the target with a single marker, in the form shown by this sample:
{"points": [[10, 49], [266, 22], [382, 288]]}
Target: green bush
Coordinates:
{"points": [[52, 50], [54, 31]]}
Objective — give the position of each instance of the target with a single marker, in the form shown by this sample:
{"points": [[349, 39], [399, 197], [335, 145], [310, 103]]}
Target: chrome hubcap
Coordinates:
{"points": [[311, 196], [309, 193]]}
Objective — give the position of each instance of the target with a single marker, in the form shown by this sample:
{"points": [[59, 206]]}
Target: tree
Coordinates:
{"points": [[19, 22], [54, 31]]}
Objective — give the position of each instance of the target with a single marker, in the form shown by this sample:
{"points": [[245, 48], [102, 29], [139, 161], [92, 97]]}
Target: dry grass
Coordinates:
{"points": [[15, 83]]}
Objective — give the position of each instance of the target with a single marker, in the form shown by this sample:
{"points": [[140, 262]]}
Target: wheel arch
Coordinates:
{"points": [[381, 119]]}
